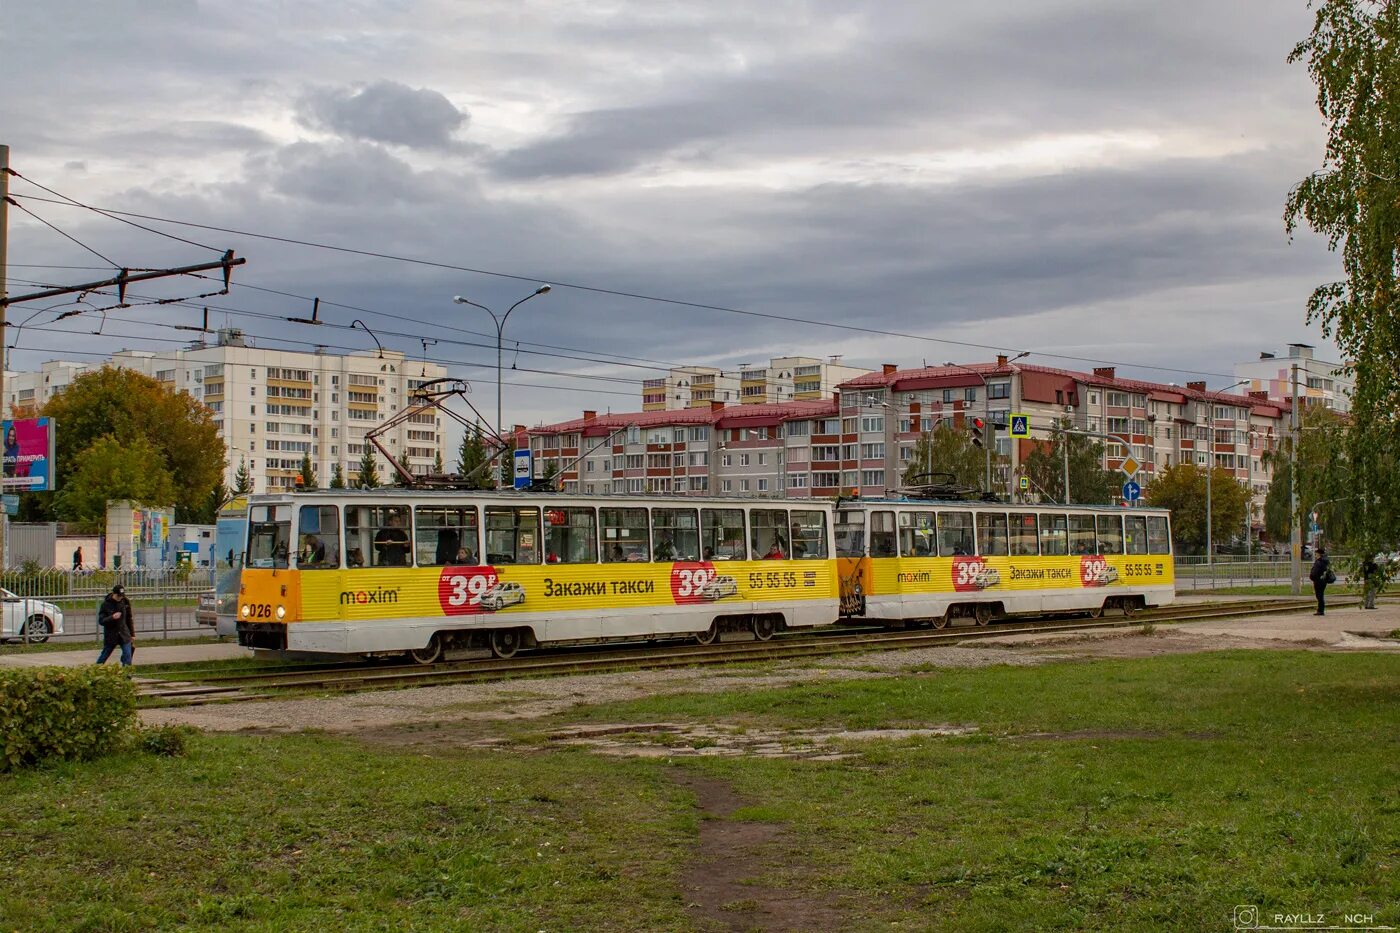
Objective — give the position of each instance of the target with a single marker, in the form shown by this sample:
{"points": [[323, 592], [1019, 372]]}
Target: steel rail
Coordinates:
{"points": [[365, 679]]}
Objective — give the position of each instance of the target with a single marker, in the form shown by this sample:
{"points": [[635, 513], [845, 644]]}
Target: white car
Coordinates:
{"points": [[987, 576], [720, 587], [502, 595], [1107, 575], [41, 619]]}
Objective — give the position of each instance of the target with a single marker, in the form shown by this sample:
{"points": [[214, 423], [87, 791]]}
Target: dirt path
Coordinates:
{"points": [[724, 883]]}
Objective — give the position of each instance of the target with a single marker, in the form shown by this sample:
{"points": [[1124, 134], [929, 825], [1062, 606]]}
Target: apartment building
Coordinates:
{"points": [[863, 436], [782, 379], [1319, 382], [274, 407]]}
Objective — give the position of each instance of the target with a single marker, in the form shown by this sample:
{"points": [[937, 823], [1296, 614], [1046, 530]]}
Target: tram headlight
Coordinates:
{"points": [[281, 613], [247, 610]]}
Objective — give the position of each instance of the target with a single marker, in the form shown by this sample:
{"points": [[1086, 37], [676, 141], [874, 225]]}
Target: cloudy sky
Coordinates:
{"points": [[1085, 179]]}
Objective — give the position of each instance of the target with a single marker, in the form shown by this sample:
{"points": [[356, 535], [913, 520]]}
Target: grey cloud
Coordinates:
{"points": [[385, 112]]}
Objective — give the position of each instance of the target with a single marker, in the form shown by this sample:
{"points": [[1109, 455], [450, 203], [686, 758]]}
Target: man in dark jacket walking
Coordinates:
{"points": [[118, 627], [1321, 575]]}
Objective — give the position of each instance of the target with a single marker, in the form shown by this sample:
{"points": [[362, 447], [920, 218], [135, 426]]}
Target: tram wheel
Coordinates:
{"points": [[1130, 607], [940, 621], [764, 627], [982, 614], [709, 636], [1096, 612], [505, 642], [429, 653]]}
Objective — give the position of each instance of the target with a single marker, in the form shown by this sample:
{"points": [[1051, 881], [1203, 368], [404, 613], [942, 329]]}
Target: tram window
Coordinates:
{"points": [[991, 534], [1023, 537], [1053, 536], [512, 535], [850, 533], [675, 534], [318, 530], [808, 535], [882, 536], [916, 534], [446, 537], [377, 536], [723, 534], [1159, 541], [269, 536], [1135, 533], [955, 534], [1110, 534], [1081, 534], [625, 536], [769, 531], [571, 536]]}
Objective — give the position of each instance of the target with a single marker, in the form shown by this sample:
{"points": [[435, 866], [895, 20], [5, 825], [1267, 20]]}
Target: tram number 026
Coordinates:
{"points": [[772, 580], [258, 611]]}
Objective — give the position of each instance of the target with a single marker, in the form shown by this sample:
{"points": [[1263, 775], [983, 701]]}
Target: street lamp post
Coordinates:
{"points": [[987, 412], [1210, 467], [500, 323]]}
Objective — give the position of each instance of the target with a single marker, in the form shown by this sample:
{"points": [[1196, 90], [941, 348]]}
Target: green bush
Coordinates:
{"points": [[167, 741], [52, 712]]}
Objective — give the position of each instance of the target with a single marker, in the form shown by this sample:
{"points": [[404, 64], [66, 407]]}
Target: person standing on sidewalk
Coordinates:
{"points": [[1321, 575], [118, 627], [1370, 581]]}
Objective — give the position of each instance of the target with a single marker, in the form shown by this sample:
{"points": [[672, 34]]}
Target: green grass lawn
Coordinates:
{"points": [[1136, 794]]}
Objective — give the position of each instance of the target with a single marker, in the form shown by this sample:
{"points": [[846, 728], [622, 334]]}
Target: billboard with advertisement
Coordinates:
{"points": [[29, 454]]}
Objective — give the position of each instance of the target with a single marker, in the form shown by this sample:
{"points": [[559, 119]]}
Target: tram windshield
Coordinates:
{"points": [[269, 536], [850, 533]]}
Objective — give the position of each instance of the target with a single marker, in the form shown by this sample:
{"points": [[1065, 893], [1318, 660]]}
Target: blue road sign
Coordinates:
{"points": [[1020, 425], [1131, 491], [523, 464]]}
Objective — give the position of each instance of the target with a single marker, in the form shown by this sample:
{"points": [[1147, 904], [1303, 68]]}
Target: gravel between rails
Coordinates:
{"points": [[533, 699]]}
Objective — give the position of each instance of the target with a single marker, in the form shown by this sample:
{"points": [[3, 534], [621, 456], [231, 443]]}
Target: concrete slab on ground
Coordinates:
{"points": [[145, 654], [1343, 627]]}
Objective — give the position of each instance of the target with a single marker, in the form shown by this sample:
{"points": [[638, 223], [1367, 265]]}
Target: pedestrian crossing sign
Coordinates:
{"points": [[1020, 425], [1025, 482]]}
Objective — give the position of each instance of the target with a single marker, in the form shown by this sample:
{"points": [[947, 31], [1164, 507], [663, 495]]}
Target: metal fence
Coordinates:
{"points": [[163, 601], [1233, 570]]}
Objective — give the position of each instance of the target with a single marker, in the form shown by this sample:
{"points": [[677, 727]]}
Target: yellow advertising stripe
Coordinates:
{"points": [[404, 592], [891, 576]]}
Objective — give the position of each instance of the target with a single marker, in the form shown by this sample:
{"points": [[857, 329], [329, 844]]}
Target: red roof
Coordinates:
{"points": [[737, 415], [911, 379]]}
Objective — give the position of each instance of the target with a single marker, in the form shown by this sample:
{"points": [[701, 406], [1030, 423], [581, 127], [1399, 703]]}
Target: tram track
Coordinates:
{"points": [[242, 686]]}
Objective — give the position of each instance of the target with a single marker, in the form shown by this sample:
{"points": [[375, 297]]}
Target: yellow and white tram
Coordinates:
{"points": [[432, 572], [915, 560], [427, 572]]}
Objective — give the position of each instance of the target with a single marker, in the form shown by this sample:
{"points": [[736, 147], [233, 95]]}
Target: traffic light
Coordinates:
{"points": [[978, 426]]}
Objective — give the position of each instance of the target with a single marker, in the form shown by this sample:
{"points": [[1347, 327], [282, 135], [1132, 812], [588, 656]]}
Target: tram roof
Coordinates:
{"points": [[518, 495]]}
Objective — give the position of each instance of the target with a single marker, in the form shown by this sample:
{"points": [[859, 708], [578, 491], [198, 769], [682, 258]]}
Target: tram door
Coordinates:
{"points": [[852, 560]]}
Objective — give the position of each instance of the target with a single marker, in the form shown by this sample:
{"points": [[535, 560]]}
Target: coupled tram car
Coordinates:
{"points": [[436, 574]]}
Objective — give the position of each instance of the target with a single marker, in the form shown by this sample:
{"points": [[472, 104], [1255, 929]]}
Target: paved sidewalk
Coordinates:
{"points": [[1342, 627], [145, 654]]}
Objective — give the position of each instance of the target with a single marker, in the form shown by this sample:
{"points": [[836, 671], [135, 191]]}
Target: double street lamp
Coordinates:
{"points": [[986, 412], [500, 323]]}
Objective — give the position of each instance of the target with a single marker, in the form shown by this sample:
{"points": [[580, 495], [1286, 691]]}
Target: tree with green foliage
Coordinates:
{"points": [[1324, 473], [368, 476], [405, 467], [337, 476], [946, 449], [1182, 488], [437, 463], [1353, 57], [550, 472], [112, 468], [242, 479], [308, 473], [1089, 482], [126, 405], [208, 512], [472, 460]]}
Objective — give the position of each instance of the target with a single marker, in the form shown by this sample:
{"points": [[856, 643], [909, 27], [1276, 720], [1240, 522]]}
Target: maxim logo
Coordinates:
{"points": [[368, 597]]}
